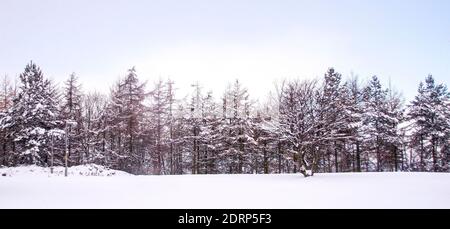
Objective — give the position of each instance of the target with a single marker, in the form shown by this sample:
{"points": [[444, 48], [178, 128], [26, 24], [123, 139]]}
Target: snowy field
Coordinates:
{"points": [[96, 187]]}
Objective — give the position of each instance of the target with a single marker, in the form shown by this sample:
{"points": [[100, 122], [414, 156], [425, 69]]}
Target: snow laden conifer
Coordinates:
{"points": [[394, 137], [209, 135], [33, 116], [353, 109], [266, 135], [306, 126], [381, 118], [237, 129], [331, 121], [430, 128]]}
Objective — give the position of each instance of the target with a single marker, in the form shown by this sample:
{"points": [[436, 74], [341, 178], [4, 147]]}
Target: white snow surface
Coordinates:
{"points": [[34, 188], [82, 170]]}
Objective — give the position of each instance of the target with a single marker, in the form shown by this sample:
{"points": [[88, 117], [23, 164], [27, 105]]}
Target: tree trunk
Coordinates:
{"points": [[358, 157], [395, 158], [266, 161], [5, 161], [422, 152], [194, 153], [433, 150], [279, 157], [336, 158], [305, 168], [378, 155], [330, 169]]}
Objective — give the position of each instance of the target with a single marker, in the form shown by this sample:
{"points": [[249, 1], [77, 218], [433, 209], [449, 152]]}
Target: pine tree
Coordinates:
{"points": [[394, 117], [265, 133], [33, 116], [429, 115], [182, 131], [209, 135], [353, 108], [381, 119], [236, 128], [331, 119]]}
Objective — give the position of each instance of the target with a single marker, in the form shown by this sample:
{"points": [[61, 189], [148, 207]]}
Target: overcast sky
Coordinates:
{"points": [[216, 41]]}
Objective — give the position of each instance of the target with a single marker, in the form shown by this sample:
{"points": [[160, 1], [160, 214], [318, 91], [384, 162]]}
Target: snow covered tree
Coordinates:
{"points": [[394, 138], [71, 111], [298, 124], [282, 145], [353, 108], [236, 128], [94, 132], [157, 121], [428, 113], [7, 95], [114, 128], [126, 122], [331, 119], [305, 126], [201, 122], [133, 94], [266, 135], [380, 120], [171, 119], [33, 116], [314, 121], [209, 136], [195, 122], [183, 139]]}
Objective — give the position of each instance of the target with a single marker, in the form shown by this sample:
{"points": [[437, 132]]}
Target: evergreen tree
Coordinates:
{"points": [[33, 116], [429, 116], [394, 117], [353, 108], [265, 133], [236, 129], [331, 119]]}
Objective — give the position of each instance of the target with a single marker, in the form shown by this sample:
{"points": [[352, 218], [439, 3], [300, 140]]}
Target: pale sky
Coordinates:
{"points": [[217, 41]]}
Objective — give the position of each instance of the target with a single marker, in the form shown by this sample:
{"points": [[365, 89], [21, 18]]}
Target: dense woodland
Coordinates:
{"points": [[307, 126]]}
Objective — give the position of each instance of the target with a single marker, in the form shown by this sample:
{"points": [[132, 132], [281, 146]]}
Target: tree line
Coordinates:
{"points": [[306, 125]]}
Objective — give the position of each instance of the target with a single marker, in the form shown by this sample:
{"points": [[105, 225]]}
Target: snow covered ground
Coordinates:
{"points": [[84, 170], [22, 188]]}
